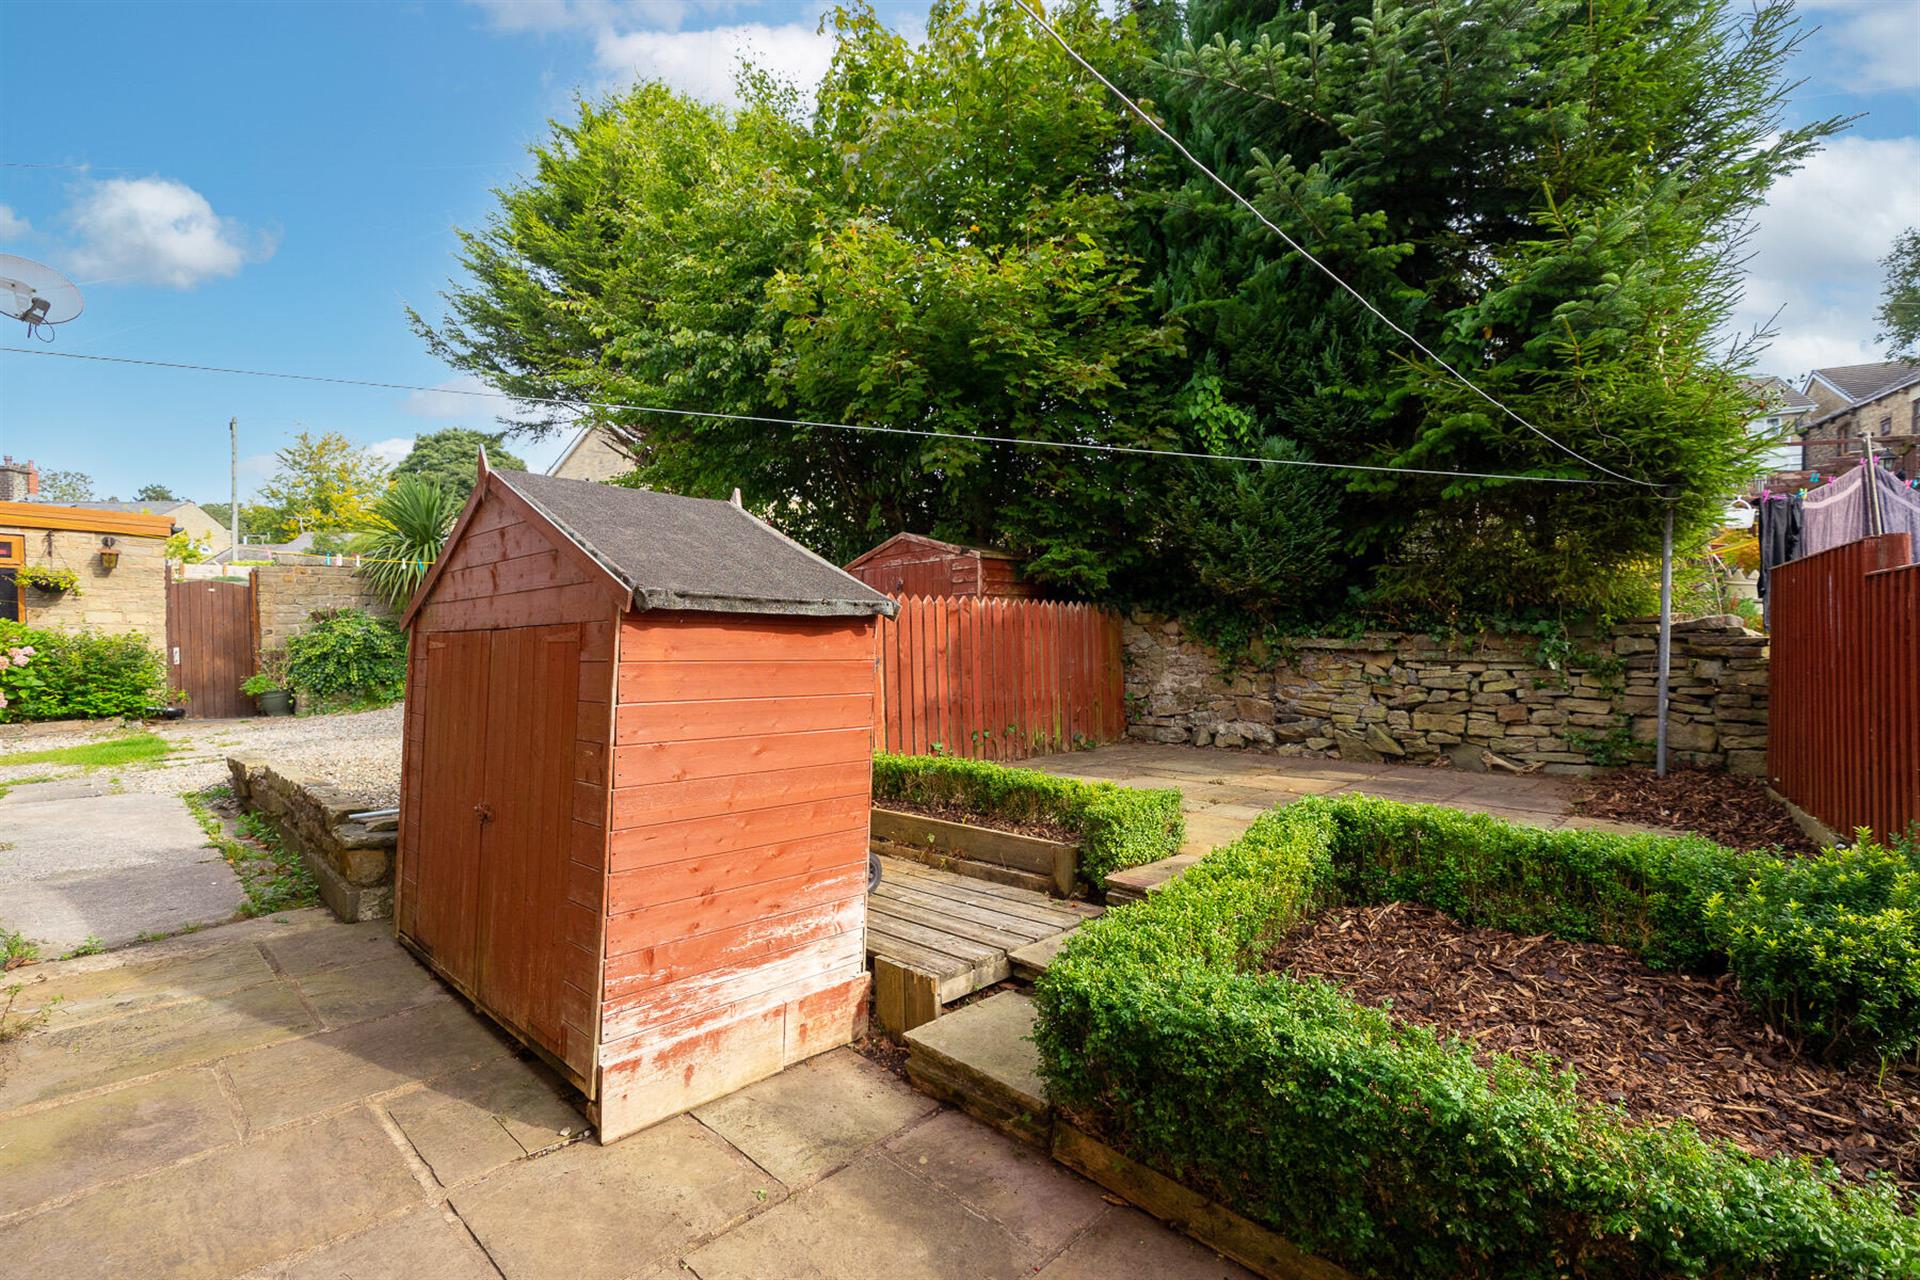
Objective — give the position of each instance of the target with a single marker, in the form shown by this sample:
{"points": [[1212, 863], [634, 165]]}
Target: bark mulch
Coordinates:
{"points": [[954, 811], [1726, 808], [1662, 1045]]}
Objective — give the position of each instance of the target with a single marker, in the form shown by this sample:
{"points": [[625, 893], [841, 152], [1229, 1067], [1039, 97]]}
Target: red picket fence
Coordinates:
{"points": [[997, 679], [1843, 725]]}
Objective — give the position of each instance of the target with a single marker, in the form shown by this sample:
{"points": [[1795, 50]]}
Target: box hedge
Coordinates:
{"points": [[1118, 827], [1384, 1147]]}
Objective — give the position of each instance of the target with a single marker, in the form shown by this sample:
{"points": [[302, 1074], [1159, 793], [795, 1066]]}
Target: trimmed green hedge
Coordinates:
{"points": [[1119, 827], [1383, 1147]]}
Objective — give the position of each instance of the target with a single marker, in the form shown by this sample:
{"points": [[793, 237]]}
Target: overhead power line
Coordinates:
{"points": [[1300, 249], [865, 428]]}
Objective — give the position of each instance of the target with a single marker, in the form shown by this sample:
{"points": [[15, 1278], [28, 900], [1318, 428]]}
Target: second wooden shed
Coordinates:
{"points": [[912, 564], [636, 786]]}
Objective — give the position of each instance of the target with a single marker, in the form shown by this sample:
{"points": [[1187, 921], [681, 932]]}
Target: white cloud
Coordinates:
{"points": [[12, 225], [446, 401], [1817, 247], [391, 451], [158, 231], [703, 63], [1877, 40]]}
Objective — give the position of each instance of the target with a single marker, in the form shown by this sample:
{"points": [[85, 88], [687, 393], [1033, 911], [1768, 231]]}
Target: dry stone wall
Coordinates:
{"points": [[351, 861], [1406, 697]]}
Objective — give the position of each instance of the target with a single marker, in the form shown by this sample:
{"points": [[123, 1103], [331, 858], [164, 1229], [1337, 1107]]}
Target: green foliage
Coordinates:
{"points": [[1899, 312], [406, 530], [16, 949], [45, 577], [185, 548], [943, 242], [1119, 827], [450, 458], [1548, 193], [1829, 947], [348, 657], [134, 748], [1383, 1147], [66, 486], [273, 877], [154, 493], [256, 520], [271, 676], [322, 483], [47, 675]]}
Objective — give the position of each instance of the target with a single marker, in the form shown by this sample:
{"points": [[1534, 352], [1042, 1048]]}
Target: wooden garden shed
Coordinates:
{"points": [[636, 786], [912, 564]]}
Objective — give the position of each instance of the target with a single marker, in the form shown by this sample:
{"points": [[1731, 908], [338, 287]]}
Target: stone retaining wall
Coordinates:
{"points": [[288, 595], [1406, 697], [352, 861]]}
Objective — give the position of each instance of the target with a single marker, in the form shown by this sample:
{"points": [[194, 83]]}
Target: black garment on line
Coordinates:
{"points": [[1779, 534]]}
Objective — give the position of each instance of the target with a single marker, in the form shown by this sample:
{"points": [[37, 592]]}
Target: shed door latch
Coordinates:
{"points": [[485, 811]]}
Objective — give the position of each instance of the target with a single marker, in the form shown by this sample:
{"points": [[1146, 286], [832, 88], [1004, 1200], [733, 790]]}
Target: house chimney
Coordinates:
{"points": [[18, 480]]}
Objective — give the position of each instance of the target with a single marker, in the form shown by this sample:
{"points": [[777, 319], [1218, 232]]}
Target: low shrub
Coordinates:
{"points": [[1829, 947], [1119, 827], [1378, 1144], [52, 675], [348, 658]]}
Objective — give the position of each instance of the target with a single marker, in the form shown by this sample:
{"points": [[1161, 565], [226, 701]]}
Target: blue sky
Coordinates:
{"points": [[267, 186]]}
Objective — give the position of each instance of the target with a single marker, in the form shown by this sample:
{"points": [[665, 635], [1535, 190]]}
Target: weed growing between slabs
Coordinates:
{"points": [[273, 877]]}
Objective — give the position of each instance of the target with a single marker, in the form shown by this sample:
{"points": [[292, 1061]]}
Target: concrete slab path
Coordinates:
{"points": [[293, 1098], [79, 861], [1224, 791]]}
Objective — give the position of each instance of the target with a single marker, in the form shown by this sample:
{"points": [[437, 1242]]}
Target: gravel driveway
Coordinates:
{"points": [[359, 752]]}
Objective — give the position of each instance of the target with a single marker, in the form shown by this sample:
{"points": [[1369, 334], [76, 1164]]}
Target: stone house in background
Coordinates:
{"points": [[1860, 403], [198, 525], [118, 558], [591, 456], [1779, 414], [19, 481]]}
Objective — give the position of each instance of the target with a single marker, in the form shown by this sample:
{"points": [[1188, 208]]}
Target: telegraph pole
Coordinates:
{"points": [[233, 488]]}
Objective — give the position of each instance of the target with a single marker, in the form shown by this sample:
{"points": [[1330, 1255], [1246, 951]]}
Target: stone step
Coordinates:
{"points": [[979, 1058], [1034, 959], [1135, 883]]}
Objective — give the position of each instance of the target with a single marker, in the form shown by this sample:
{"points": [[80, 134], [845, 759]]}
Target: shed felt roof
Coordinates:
{"points": [[694, 553]]}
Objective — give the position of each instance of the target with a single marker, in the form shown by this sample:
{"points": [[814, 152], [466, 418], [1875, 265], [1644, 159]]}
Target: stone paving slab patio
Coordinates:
{"points": [[1224, 791], [290, 1099]]}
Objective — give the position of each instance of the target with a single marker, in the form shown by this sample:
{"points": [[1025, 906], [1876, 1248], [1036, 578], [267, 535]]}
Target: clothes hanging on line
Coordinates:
{"points": [[1780, 521], [1899, 510], [1836, 514]]}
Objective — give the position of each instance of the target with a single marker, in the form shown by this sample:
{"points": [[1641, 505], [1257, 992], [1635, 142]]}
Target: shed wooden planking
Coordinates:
{"points": [[635, 835]]}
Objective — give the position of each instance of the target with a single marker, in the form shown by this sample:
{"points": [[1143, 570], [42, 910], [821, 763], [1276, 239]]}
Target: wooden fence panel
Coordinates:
{"points": [[995, 678], [1843, 725]]}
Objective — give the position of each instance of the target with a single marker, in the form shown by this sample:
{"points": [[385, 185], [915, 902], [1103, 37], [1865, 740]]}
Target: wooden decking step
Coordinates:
{"points": [[1034, 959], [956, 929], [980, 1059]]}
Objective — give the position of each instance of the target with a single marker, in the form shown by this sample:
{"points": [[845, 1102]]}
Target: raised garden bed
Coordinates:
{"points": [[978, 846], [1727, 808], [1374, 1142], [1015, 819]]}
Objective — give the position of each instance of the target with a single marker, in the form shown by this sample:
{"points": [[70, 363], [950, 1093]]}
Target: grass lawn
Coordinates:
{"points": [[137, 748]]}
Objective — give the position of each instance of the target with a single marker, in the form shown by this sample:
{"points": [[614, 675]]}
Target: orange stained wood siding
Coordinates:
{"points": [[510, 706], [997, 679], [916, 566], [741, 788], [1843, 720]]}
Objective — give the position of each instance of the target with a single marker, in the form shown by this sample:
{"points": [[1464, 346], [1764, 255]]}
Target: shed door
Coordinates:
{"points": [[496, 814], [532, 706], [440, 913]]}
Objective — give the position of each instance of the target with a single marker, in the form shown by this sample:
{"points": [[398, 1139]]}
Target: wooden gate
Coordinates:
{"points": [[1843, 721], [998, 679], [210, 645]]}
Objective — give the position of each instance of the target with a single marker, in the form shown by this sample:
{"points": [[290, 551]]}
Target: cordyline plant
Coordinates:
{"points": [[405, 531]]}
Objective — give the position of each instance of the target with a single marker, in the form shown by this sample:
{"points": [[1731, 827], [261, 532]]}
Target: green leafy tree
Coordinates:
{"points": [[1551, 195], [323, 482], [256, 521], [154, 493], [942, 244], [66, 486], [449, 458], [1900, 297]]}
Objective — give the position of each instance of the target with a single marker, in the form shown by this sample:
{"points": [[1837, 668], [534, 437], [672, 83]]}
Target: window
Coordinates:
{"points": [[1886, 425]]}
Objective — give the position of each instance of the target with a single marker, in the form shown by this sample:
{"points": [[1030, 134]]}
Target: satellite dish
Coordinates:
{"points": [[36, 295]]}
